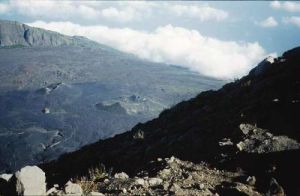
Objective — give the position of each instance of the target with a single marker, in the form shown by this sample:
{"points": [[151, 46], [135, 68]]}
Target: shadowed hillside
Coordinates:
{"points": [[251, 124]]}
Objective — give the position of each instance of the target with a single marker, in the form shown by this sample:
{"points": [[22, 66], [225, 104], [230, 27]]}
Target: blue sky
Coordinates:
{"points": [[219, 39]]}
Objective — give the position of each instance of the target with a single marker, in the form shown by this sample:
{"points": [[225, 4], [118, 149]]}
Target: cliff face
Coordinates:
{"points": [[252, 123], [17, 34]]}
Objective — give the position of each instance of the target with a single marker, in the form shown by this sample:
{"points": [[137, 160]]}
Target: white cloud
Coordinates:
{"points": [[268, 22], [203, 13], [173, 45], [122, 15], [287, 6], [119, 11], [295, 20], [275, 4], [3, 8]]}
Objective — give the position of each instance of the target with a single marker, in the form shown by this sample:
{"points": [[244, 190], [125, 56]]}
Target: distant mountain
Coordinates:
{"points": [[14, 34], [250, 125], [58, 93]]}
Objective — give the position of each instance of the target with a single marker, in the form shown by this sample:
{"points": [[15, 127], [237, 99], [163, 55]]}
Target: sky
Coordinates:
{"points": [[220, 39]]}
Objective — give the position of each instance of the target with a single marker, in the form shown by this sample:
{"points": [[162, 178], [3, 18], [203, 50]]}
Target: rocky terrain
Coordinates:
{"points": [[169, 176], [247, 130], [242, 139], [58, 93]]}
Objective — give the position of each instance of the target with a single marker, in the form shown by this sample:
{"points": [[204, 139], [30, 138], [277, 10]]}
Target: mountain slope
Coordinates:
{"points": [[14, 34], [220, 127], [58, 93]]}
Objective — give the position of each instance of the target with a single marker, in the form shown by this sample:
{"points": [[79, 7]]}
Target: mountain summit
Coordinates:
{"points": [[14, 34], [250, 125]]}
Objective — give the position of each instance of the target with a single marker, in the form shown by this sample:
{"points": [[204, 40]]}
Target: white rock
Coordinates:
{"points": [[201, 186], [30, 180], [176, 189], [72, 188], [171, 160], [251, 180], [140, 181], [240, 146], [246, 128], [106, 180], [270, 59], [225, 142], [52, 191], [121, 175], [96, 194], [46, 110], [6, 177], [155, 181]]}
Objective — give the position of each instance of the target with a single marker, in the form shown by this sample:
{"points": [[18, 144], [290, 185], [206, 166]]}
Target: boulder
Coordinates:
{"points": [[140, 181], [6, 177], [176, 189], [225, 142], [246, 128], [73, 189], [96, 194], [155, 181], [46, 110], [138, 135], [30, 180], [52, 191], [121, 175], [251, 180]]}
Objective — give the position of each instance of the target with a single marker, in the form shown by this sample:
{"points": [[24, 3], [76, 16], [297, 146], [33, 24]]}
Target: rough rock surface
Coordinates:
{"points": [[73, 189], [171, 176], [30, 180], [257, 140], [6, 177]]}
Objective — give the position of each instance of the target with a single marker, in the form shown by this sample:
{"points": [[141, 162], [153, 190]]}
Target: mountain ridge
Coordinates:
{"points": [[13, 33]]}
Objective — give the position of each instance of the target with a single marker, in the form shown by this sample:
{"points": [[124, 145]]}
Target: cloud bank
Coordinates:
{"points": [[202, 13], [173, 45], [123, 12], [3, 8], [295, 20], [286, 6], [268, 22]]}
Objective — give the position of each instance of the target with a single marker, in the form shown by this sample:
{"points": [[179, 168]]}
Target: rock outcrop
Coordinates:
{"points": [[14, 34], [73, 189], [172, 176], [257, 140], [29, 180]]}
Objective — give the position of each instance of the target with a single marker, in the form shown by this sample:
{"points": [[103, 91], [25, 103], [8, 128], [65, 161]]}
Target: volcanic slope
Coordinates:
{"points": [[58, 93], [250, 125]]}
